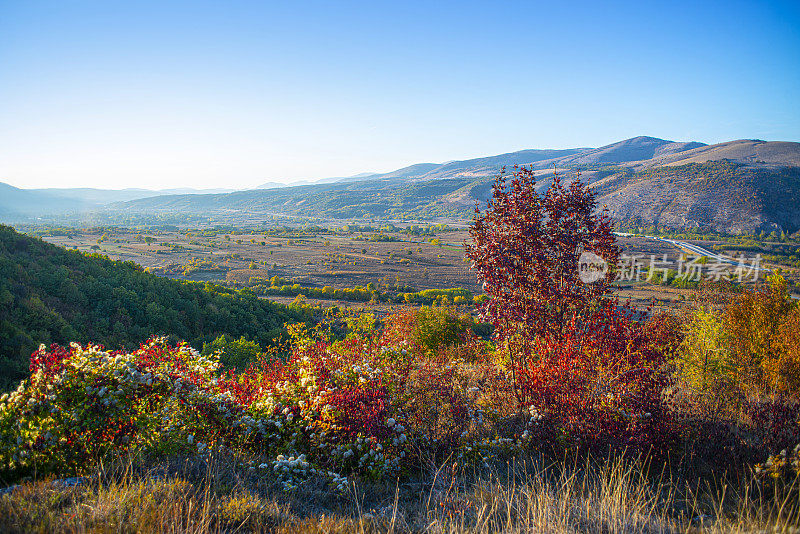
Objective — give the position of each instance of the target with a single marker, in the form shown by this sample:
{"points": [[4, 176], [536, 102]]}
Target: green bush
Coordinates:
{"points": [[233, 353], [436, 327]]}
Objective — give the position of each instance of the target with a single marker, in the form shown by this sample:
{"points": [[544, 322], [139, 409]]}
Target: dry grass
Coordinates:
{"points": [[198, 495]]}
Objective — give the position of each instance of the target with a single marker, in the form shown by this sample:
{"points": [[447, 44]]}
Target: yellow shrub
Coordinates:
{"points": [[752, 321], [703, 358], [749, 346], [783, 373]]}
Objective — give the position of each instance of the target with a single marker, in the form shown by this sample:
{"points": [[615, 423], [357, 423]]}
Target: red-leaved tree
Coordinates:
{"points": [[576, 356], [526, 249]]}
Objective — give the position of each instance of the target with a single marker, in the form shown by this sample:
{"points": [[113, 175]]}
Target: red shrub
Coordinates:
{"points": [[363, 410], [526, 250], [49, 361], [602, 383]]}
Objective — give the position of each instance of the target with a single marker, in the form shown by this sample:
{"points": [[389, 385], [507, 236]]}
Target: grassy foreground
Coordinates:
{"points": [[213, 493], [414, 426]]}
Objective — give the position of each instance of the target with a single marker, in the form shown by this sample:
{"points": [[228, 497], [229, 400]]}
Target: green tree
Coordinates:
{"points": [[436, 327], [234, 353]]}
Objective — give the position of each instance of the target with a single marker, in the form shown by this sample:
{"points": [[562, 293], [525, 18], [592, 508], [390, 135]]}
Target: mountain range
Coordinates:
{"points": [[16, 202], [742, 186]]}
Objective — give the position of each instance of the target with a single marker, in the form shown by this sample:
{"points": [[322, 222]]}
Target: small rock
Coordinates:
{"points": [[69, 482]]}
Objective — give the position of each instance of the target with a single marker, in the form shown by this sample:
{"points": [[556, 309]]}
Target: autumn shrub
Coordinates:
{"points": [[747, 346], [526, 250], [361, 325], [368, 406], [438, 408], [436, 327], [576, 358], [752, 321], [603, 384], [736, 394], [703, 360], [783, 371], [233, 353], [83, 403]]}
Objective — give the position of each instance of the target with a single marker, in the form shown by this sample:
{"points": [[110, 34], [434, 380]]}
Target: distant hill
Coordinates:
{"points": [[353, 178], [724, 196], [26, 204], [426, 190], [644, 180], [484, 166], [101, 197], [16, 203], [744, 151], [629, 150], [96, 197], [52, 295]]}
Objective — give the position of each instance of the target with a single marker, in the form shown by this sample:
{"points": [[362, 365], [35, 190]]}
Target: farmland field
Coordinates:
{"points": [[315, 259], [394, 260]]}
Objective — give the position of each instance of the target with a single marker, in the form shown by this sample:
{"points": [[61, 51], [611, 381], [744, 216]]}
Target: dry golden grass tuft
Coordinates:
{"points": [[198, 496]]}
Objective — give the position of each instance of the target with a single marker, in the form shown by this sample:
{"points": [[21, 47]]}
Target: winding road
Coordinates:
{"points": [[700, 251]]}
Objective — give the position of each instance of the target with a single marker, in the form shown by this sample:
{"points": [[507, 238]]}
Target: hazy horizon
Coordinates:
{"points": [[200, 95], [310, 181]]}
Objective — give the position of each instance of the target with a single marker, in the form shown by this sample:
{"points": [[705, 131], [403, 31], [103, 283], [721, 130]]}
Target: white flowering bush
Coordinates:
{"points": [[82, 403], [782, 466], [365, 406]]}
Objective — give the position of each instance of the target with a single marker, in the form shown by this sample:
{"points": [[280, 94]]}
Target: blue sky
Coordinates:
{"points": [[233, 94]]}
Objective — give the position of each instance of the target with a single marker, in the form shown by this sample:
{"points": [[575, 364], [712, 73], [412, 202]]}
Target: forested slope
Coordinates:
{"points": [[52, 295]]}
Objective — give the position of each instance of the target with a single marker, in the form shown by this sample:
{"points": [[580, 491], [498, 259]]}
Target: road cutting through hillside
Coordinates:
{"points": [[700, 251]]}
